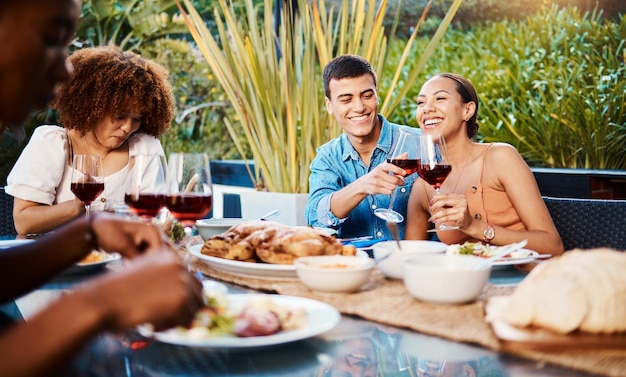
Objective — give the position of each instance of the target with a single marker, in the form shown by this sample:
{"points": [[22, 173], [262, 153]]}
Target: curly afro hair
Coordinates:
{"points": [[110, 82]]}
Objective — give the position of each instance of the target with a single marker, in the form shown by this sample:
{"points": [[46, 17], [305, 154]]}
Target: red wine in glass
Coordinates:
{"points": [[409, 165], [87, 179], [404, 153], [145, 205], [434, 175], [87, 191], [145, 189], [189, 207], [434, 167]]}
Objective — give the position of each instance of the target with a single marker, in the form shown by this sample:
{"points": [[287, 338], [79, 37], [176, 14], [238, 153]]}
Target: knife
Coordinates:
{"points": [[507, 250]]}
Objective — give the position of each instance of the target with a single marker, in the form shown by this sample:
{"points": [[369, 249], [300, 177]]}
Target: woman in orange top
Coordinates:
{"points": [[491, 194]]}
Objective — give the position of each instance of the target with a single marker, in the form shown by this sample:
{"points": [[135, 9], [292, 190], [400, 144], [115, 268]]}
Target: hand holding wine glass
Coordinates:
{"points": [[434, 167], [189, 190], [404, 154], [87, 179], [145, 190]]}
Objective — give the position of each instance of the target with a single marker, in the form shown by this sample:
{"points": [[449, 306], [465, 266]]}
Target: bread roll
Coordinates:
{"points": [[580, 290]]}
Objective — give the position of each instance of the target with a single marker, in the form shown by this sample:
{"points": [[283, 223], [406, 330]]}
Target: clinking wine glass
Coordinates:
{"points": [[404, 154], [87, 179], [189, 190], [434, 167], [145, 190]]}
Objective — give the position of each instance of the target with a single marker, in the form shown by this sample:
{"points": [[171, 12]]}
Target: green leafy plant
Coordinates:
{"points": [[200, 104], [552, 85], [561, 103], [127, 23], [273, 82]]}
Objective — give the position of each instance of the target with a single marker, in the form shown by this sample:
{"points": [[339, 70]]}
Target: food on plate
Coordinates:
{"points": [[272, 242], [260, 316], [484, 251], [579, 290], [94, 257]]}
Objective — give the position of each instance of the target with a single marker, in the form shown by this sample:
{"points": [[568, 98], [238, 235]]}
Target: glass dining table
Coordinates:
{"points": [[355, 347]]}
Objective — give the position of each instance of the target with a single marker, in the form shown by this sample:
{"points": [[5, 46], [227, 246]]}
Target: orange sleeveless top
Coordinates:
{"points": [[487, 204]]}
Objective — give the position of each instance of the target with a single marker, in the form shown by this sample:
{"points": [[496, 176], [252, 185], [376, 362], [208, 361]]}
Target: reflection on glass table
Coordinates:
{"points": [[354, 348]]}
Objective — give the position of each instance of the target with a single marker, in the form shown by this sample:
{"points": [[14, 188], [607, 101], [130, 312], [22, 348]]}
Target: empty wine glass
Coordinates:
{"points": [[145, 190], [87, 179], [404, 154], [189, 191], [434, 167]]}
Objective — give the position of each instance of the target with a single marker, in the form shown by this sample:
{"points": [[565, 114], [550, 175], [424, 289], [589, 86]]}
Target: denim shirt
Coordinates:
{"points": [[338, 164]]}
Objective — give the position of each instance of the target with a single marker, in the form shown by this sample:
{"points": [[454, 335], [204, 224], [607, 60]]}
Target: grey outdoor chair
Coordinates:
{"points": [[6, 214], [589, 223]]}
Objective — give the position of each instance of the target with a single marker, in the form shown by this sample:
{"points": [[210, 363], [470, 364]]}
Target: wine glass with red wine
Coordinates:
{"points": [[434, 167], [87, 179], [145, 190], [404, 154], [189, 190]]}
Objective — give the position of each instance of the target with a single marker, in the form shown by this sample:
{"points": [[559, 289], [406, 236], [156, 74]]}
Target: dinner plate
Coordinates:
{"points": [[247, 269], [83, 268], [321, 317], [510, 261], [5, 244]]}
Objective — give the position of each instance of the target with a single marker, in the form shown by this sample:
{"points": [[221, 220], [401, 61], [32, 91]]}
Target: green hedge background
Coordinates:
{"points": [[551, 75]]}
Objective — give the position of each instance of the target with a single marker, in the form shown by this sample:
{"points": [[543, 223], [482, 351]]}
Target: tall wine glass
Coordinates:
{"points": [[145, 190], [404, 154], [189, 190], [87, 179], [434, 167]]}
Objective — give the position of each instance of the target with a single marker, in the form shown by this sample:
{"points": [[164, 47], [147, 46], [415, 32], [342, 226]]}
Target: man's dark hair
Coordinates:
{"points": [[346, 66]]}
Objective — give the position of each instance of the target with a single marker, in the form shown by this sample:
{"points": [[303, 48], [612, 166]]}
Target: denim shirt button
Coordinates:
{"points": [[403, 189], [379, 234], [329, 222], [373, 206]]}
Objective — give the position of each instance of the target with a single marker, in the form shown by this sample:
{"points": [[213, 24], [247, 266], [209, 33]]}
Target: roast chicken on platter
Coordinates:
{"points": [[272, 242]]}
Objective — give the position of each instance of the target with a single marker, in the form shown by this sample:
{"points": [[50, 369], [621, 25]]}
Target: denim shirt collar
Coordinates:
{"points": [[384, 141]]}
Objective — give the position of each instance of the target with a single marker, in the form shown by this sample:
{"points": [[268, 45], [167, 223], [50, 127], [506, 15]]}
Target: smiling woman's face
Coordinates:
{"points": [[34, 35]]}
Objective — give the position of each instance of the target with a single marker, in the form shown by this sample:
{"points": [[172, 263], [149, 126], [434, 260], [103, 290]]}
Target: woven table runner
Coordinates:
{"points": [[388, 302]]}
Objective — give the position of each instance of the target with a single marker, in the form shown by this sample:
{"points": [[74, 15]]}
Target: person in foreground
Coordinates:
{"points": [[153, 286], [350, 176], [115, 105], [491, 193]]}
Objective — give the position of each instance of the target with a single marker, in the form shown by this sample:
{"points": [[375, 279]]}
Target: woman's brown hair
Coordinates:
{"points": [[110, 82]]}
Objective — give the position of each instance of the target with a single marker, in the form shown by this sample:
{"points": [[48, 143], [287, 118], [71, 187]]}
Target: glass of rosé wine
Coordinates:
{"points": [[405, 154], [87, 179], [189, 192], [434, 167], [145, 190]]}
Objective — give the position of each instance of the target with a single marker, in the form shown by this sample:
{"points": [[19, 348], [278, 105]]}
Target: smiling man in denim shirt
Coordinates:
{"points": [[349, 175]]}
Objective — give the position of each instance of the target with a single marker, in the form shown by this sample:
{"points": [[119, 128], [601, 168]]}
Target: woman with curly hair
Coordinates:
{"points": [[116, 105]]}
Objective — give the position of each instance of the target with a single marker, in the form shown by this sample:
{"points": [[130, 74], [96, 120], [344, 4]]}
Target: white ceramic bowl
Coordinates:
{"points": [[392, 266], [334, 273], [446, 279], [208, 228]]}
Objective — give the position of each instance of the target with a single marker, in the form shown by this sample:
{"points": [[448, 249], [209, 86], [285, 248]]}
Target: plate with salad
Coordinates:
{"points": [[245, 321], [479, 249]]}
